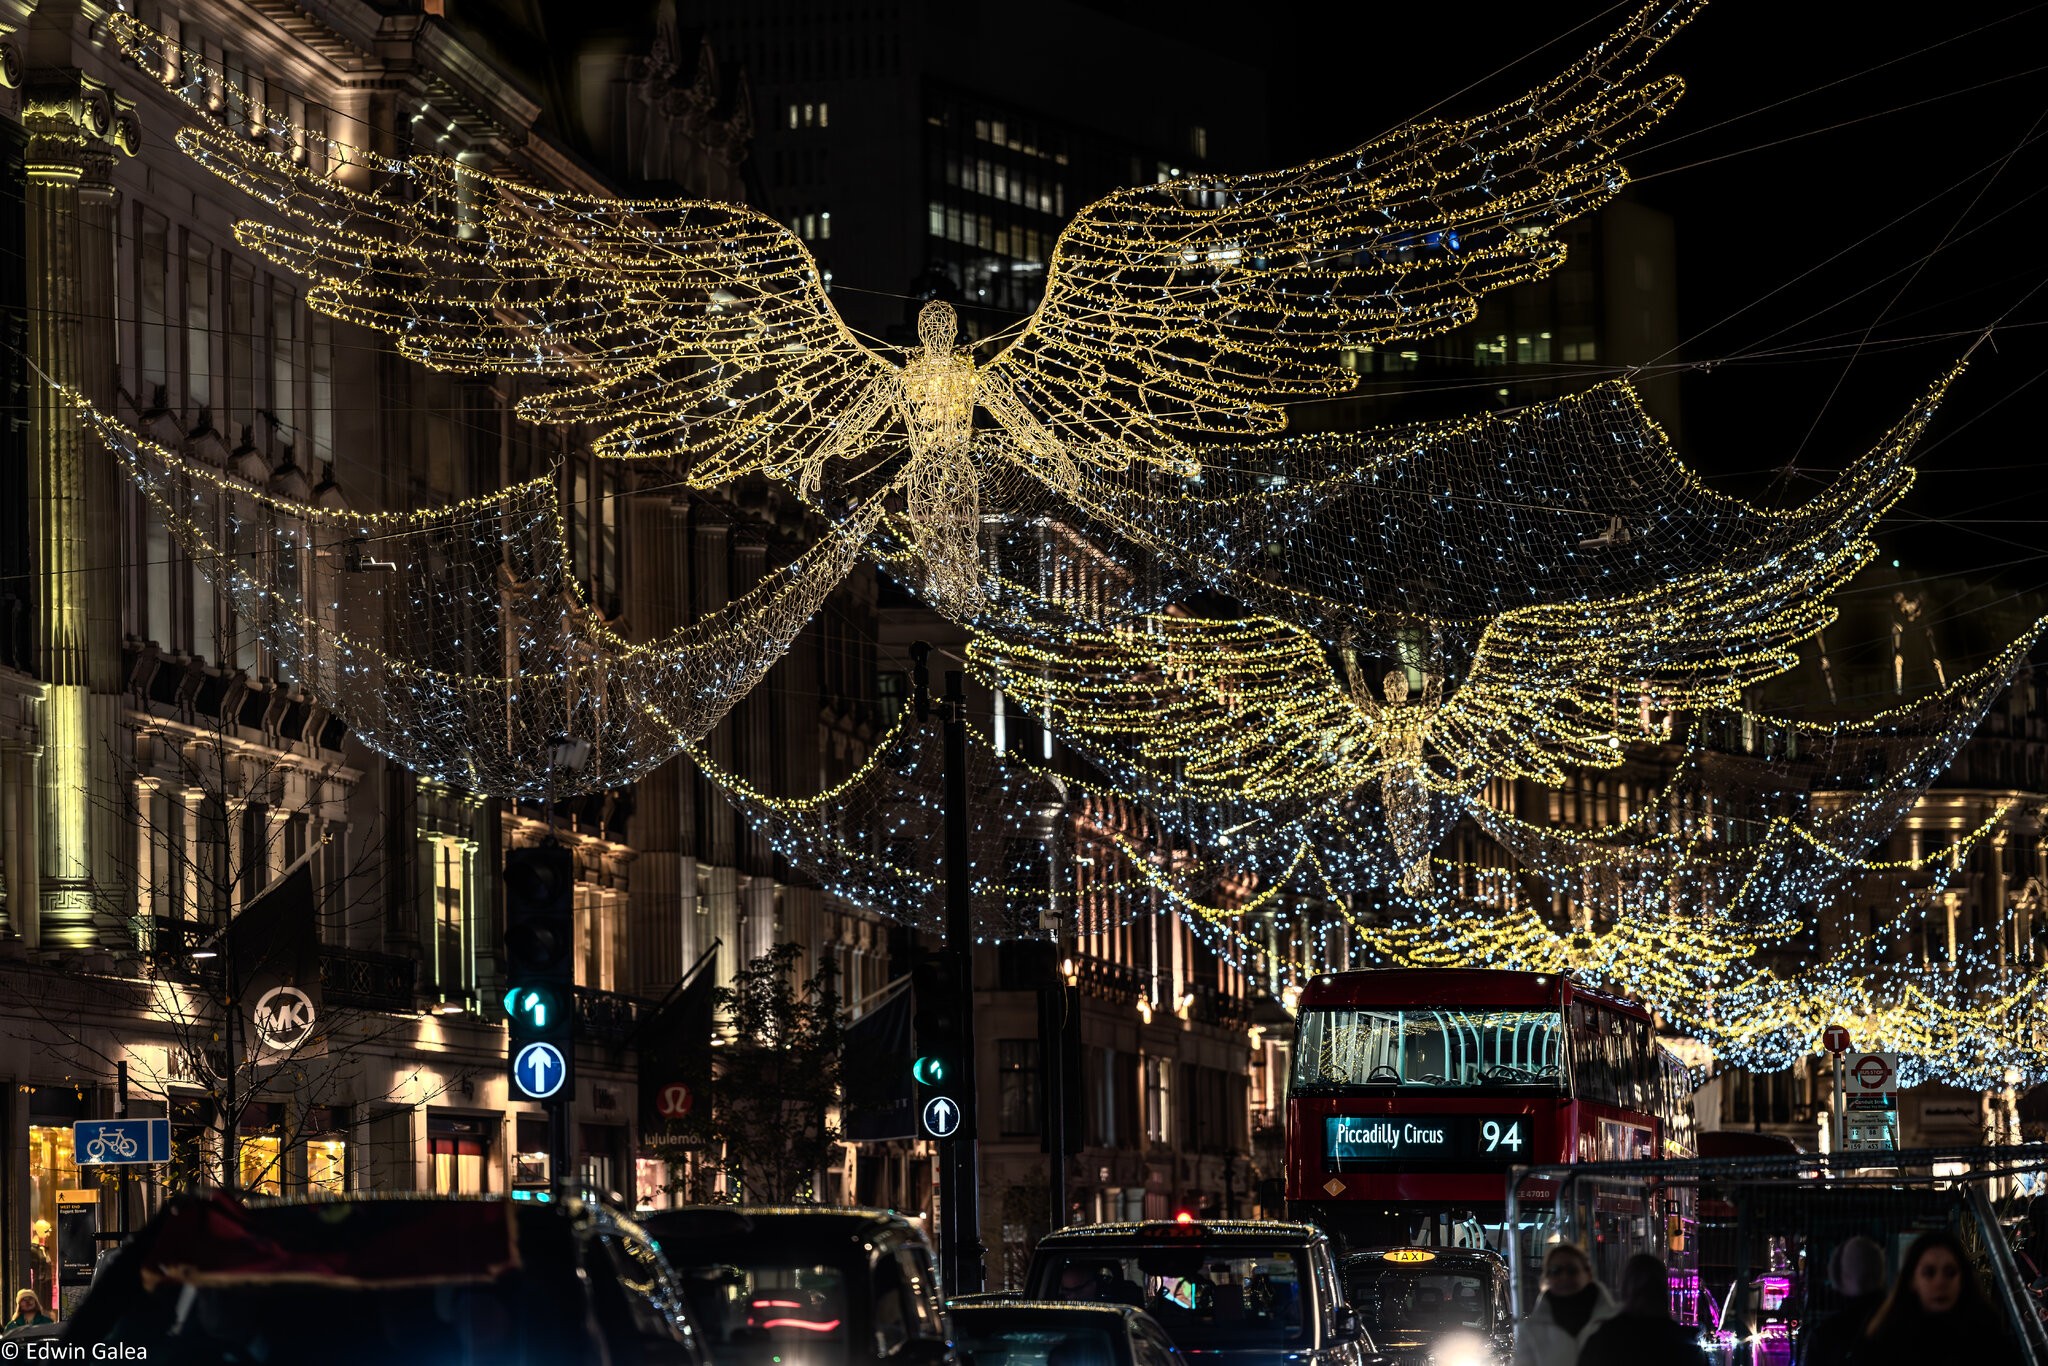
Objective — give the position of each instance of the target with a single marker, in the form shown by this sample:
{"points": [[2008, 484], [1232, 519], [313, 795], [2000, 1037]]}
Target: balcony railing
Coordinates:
{"points": [[608, 1017], [362, 979]]}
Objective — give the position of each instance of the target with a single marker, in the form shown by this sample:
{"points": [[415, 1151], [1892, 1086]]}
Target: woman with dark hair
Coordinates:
{"points": [[1644, 1330], [1936, 1312]]}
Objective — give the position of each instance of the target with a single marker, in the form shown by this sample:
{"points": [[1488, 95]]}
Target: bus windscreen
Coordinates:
{"points": [[1436, 1047]]}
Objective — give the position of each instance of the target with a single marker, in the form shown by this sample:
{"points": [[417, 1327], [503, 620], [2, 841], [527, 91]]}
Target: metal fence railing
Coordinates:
{"points": [[1748, 1239]]}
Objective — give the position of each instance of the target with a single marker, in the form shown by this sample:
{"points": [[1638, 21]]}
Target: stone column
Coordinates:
{"points": [[20, 840], [656, 588], [2001, 903], [70, 267]]}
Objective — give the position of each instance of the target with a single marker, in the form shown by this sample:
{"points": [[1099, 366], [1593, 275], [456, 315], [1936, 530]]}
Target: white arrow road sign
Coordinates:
{"points": [[539, 1070], [941, 1117]]}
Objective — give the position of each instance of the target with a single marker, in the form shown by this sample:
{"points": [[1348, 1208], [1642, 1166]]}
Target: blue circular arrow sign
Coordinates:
{"points": [[941, 1117], [539, 1070]]}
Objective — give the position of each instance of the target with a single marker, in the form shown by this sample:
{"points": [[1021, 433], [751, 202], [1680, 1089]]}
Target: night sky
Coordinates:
{"points": [[1754, 219]]}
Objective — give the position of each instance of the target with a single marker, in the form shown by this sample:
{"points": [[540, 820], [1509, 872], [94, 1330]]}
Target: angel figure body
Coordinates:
{"points": [[1403, 734], [942, 490]]}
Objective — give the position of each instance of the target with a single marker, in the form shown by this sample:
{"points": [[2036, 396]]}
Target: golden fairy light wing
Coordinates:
{"points": [[1195, 306], [677, 328], [1227, 709]]}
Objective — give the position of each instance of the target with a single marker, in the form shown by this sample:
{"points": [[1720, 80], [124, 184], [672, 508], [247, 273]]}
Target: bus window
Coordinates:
{"points": [[1444, 1047], [1595, 1076]]}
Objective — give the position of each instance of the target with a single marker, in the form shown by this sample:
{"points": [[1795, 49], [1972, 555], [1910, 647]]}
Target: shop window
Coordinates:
{"points": [[599, 1169], [326, 1151], [530, 1155], [51, 1168], [459, 1152], [260, 1153], [191, 1123]]}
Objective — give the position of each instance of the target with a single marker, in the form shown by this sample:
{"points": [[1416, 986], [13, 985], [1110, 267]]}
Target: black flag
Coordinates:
{"points": [[675, 1057], [880, 1092], [272, 954]]}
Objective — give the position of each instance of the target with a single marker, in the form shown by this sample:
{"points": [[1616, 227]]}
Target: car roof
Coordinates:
{"points": [[1124, 1311], [720, 1221], [1168, 1232], [1466, 1256]]}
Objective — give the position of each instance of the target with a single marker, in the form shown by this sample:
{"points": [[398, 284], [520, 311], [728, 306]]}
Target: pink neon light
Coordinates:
{"points": [[825, 1327]]}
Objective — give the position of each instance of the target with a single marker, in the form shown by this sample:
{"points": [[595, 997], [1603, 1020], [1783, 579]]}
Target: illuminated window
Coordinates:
{"points": [[1159, 1100], [262, 1164], [326, 1165], [452, 964], [1198, 140], [459, 1153], [600, 936], [51, 1168]]}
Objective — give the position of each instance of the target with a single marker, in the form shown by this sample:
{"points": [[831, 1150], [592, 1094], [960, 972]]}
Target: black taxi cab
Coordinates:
{"points": [[1446, 1306], [1227, 1292], [806, 1285]]}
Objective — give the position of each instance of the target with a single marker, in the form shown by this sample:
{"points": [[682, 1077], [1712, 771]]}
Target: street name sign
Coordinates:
{"points": [[120, 1142]]}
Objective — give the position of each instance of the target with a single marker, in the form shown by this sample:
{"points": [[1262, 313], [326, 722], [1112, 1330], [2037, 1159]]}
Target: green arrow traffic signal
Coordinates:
{"points": [[531, 1007], [929, 1071]]}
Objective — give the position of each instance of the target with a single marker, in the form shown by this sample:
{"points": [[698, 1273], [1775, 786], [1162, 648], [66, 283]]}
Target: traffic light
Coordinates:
{"points": [[940, 1071], [540, 926]]}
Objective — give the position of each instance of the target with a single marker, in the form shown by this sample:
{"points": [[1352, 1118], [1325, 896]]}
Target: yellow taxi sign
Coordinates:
{"points": [[1410, 1255]]}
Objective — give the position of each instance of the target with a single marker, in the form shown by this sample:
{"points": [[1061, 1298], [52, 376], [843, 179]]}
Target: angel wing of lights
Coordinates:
{"points": [[1176, 311]]}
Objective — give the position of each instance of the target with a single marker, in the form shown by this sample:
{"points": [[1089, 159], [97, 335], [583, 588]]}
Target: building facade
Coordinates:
{"points": [[158, 768]]}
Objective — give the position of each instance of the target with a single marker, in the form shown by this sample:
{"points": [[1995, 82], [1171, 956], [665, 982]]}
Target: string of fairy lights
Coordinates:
{"points": [[1424, 622]]}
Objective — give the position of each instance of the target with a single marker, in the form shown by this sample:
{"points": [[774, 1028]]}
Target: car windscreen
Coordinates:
{"points": [[769, 1313], [1039, 1337], [1394, 1299], [1243, 1296], [1434, 1047]]}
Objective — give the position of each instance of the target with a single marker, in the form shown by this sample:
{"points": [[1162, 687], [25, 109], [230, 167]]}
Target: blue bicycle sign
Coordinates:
{"points": [[121, 1142]]}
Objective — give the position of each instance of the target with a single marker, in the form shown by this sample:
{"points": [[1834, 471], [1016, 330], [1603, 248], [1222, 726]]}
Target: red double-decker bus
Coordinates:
{"points": [[1415, 1090]]}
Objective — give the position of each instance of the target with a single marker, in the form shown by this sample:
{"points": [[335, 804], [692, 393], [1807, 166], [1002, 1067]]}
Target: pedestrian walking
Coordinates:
{"points": [[1936, 1312], [1571, 1308], [1856, 1270], [1644, 1330]]}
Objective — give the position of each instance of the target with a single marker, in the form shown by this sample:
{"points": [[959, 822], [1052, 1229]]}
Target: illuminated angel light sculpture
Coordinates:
{"points": [[1251, 708], [1190, 309]]}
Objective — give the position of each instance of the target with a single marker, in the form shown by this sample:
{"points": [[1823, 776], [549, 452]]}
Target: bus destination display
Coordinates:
{"points": [[1373, 1139]]}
